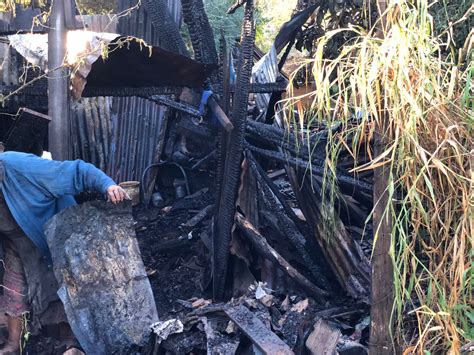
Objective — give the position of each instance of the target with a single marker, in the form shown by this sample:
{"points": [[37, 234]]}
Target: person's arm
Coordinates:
{"points": [[69, 178]]}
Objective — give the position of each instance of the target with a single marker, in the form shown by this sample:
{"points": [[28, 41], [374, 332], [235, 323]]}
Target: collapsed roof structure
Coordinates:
{"points": [[187, 130]]}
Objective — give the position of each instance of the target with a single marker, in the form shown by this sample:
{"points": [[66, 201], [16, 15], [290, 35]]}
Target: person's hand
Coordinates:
{"points": [[116, 194]]}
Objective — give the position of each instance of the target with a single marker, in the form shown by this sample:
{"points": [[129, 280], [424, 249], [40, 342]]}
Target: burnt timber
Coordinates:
{"points": [[211, 165]]}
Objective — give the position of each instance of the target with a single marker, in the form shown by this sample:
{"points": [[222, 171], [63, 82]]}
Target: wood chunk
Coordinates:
{"points": [[266, 341], [103, 283], [220, 114], [323, 339], [266, 250], [198, 218]]}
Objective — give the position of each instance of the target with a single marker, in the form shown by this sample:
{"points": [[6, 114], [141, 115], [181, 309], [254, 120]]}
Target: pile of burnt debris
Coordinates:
{"points": [[275, 305], [244, 251]]}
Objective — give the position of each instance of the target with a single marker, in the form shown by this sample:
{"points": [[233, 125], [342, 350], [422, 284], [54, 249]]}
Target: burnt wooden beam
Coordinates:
{"points": [[160, 16], [232, 168], [279, 86], [267, 251], [316, 167], [265, 179], [312, 147], [304, 247], [221, 149], [190, 110], [343, 254], [198, 218], [130, 91], [220, 115], [179, 106], [200, 32], [237, 4], [266, 341]]}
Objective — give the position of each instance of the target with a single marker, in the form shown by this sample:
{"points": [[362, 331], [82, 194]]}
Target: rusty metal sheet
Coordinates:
{"points": [[265, 71], [267, 341]]}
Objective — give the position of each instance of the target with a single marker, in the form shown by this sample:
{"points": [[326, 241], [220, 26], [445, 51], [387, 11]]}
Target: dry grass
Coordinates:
{"points": [[427, 99]]}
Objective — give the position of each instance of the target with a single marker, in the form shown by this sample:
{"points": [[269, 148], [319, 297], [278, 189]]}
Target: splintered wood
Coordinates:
{"points": [[323, 339]]}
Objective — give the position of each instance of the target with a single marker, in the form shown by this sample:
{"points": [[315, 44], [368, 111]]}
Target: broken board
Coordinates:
{"points": [[265, 340], [103, 284], [323, 339]]}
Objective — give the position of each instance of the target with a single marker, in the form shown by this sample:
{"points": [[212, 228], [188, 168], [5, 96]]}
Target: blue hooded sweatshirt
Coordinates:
{"points": [[35, 189]]}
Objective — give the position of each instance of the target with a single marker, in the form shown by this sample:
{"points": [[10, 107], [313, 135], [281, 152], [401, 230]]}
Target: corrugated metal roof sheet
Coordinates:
{"points": [[99, 23], [136, 121], [265, 71], [120, 135]]}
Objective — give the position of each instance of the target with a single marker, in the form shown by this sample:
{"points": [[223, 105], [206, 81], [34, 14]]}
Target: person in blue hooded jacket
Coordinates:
{"points": [[32, 190]]}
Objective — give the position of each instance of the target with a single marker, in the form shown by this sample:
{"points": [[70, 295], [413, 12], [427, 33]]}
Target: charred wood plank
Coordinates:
{"points": [[130, 91], [262, 88], [237, 4], [221, 149], [227, 199], [304, 247], [200, 32], [323, 339], [198, 218], [343, 254], [287, 140], [166, 101], [222, 64], [265, 179], [247, 203], [162, 20], [266, 341], [317, 168], [267, 251], [220, 114]]}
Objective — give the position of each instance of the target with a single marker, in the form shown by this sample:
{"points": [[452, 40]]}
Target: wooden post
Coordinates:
{"points": [[382, 295]]}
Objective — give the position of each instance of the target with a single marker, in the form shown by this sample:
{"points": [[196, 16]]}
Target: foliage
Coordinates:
{"points": [[332, 15], [91, 7], [445, 13], [219, 20], [88, 7], [271, 15], [10, 5], [426, 100]]}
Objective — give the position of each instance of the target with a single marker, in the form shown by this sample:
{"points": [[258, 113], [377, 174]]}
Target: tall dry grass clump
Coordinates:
{"points": [[425, 97]]}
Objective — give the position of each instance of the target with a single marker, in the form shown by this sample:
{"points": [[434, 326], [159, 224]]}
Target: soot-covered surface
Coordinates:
{"points": [[177, 263], [173, 256]]}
